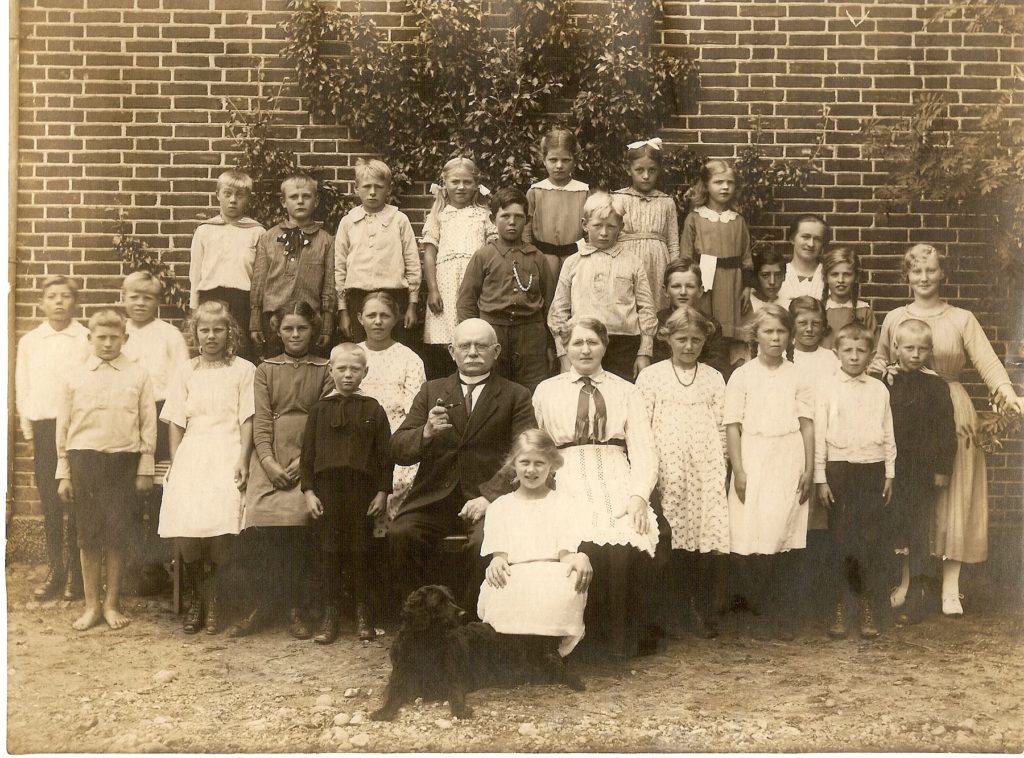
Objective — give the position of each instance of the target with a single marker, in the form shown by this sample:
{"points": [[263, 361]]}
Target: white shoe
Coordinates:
{"points": [[898, 596], [951, 605]]}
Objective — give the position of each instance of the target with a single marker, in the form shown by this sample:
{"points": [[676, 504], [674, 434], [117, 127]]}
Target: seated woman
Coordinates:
{"points": [[597, 419], [530, 587]]}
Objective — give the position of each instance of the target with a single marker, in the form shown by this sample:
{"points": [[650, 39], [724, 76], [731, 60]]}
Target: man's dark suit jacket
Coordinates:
{"points": [[469, 454]]}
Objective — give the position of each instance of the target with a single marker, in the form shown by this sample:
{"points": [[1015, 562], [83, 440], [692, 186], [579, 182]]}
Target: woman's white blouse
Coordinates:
{"points": [[555, 401]]}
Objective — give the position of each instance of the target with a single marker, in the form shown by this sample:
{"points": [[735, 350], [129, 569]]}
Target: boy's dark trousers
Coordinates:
{"points": [[912, 510], [106, 503], [354, 299], [341, 535], [621, 355], [65, 566], [858, 522], [523, 357]]}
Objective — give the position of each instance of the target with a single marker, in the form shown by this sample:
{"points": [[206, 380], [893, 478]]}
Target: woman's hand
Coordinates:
{"points": [[641, 362], [277, 475], [563, 364], [804, 487], [637, 510], [410, 316], [313, 505], [580, 563], [344, 323], [292, 469], [498, 572], [326, 331], [241, 474], [378, 505], [1006, 400], [257, 338], [941, 480], [739, 481], [435, 303], [825, 495]]}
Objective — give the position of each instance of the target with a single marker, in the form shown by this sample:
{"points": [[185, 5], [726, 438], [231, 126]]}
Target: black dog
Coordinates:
{"points": [[435, 657]]}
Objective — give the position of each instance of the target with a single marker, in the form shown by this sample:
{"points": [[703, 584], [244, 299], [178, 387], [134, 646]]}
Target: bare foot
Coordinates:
{"points": [[87, 620], [115, 619]]}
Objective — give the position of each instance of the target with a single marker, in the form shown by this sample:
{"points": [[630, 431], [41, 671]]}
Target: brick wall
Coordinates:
{"points": [[121, 105]]}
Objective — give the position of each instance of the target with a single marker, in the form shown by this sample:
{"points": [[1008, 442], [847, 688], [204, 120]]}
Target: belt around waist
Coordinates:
{"points": [[614, 441], [641, 236], [733, 261], [562, 251]]}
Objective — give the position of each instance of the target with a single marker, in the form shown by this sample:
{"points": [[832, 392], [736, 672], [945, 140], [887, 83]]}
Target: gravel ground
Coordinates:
{"points": [[944, 685]]}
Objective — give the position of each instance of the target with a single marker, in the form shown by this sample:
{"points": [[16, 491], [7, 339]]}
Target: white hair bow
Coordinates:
{"points": [[435, 189], [654, 142]]}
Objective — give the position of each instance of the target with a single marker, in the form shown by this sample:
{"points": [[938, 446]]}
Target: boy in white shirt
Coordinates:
{"points": [[106, 433], [854, 467], [223, 251], [45, 355], [160, 348]]}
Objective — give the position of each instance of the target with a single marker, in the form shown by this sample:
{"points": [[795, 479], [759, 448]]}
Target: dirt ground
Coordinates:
{"points": [[945, 685]]}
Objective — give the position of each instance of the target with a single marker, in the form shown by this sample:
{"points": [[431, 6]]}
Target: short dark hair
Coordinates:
{"points": [[506, 196]]}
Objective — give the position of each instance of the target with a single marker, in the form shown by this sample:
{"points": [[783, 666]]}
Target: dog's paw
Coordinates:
{"points": [[574, 683], [382, 714]]}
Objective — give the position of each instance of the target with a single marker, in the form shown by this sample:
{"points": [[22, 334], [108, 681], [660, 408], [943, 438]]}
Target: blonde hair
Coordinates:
{"points": [[347, 348], [234, 179], [698, 193], [918, 253], [300, 178], [536, 440], [143, 280], [216, 310], [107, 317], [854, 331], [767, 311], [685, 317], [600, 205], [441, 198], [371, 168], [912, 326]]}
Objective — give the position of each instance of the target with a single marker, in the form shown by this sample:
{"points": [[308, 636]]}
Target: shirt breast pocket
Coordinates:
{"points": [[623, 288]]}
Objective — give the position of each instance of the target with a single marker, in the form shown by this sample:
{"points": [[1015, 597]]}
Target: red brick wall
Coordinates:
{"points": [[121, 105]]}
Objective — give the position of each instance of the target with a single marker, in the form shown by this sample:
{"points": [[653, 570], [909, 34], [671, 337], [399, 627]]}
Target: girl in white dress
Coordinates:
{"points": [[530, 587], [685, 401], [817, 364], [457, 226], [600, 423], [770, 436], [209, 408]]}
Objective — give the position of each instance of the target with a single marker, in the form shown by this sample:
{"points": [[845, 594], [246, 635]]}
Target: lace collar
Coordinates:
{"points": [[724, 217], [574, 185]]}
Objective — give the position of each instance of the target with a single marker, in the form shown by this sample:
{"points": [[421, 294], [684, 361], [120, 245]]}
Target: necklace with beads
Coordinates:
{"points": [[519, 282], [693, 378]]}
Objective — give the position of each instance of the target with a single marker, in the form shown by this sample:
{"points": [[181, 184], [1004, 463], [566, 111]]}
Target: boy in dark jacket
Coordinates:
{"points": [[346, 475], [922, 418]]}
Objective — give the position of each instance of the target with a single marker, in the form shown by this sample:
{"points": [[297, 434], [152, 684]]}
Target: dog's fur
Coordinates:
{"points": [[435, 657]]}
